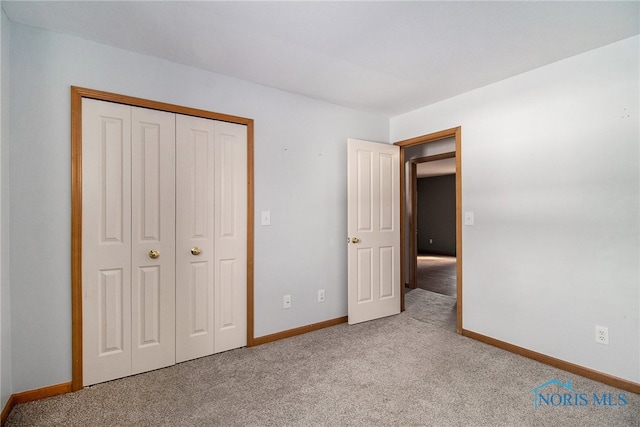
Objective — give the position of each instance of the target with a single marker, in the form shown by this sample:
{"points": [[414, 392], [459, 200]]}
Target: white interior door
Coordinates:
{"points": [[230, 297], [195, 258], [164, 238], [373, 174], [152, 229], [128, 212], [211, 215], [106, 241]]}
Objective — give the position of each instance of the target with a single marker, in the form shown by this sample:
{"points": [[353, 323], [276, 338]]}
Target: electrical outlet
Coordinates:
{"points": [[287, 301], [602, 335], [321, 295]]}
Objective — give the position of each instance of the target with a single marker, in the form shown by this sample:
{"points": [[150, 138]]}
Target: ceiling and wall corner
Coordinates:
{"points": [[551, 171], [298, 69], [299, 150], [387, 57], [436, 168]]}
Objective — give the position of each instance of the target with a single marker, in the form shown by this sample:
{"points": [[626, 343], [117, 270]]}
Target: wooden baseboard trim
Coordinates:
{"points": [[54, 390], [7, 410], [41, 393], [557, 363], [299, 331], [31, 395]]}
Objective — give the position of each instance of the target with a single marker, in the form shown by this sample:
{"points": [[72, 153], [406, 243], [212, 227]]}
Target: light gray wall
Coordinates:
{"points": [[550, 167], [300, 176], [436, 214], [5, 309]]}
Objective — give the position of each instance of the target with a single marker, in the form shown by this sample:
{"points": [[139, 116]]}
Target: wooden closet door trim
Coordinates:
{"points": [[77, 93]]}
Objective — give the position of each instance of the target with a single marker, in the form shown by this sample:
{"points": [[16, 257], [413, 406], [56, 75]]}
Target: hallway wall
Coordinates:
{"points": [[436, 214]]}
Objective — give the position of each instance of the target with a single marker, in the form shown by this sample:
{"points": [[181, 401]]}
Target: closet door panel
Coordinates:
{"points": [[153, 229], [194, 237], [164, 254], [106, 241], [230, 305]]}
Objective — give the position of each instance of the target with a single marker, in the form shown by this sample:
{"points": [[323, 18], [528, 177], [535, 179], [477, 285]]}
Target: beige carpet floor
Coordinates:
{"points": [[404, 370], [430, 307]]}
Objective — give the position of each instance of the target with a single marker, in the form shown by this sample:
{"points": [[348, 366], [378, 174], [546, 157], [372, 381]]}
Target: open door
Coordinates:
{"points": [[373, 228]]}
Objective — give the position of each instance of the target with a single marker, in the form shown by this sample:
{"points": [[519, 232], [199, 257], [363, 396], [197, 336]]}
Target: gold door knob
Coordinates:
{"points": [[195, 251], [154, 254], [355, 240]]}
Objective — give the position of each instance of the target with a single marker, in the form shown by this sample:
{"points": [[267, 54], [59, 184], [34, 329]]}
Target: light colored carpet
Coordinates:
{"points": [[430, 307], [396, 371]]}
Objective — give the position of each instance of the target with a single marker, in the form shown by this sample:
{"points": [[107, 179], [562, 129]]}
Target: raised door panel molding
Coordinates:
{"points": [[153, 229], [230, 236], [195, 258], [106, 241]]}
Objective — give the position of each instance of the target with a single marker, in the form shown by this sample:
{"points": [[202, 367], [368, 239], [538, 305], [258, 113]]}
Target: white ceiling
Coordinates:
{"points": [[387, 57], [436, 168]]}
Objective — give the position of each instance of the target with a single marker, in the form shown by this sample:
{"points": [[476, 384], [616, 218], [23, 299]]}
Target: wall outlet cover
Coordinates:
{"points": [[602, 335]]}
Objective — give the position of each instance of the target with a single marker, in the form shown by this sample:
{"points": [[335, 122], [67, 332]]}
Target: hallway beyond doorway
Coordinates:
{"points": [[437, 273]]}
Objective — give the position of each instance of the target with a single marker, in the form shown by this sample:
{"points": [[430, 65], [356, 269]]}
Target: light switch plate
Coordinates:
{"points": [[468, 218], [265, 218]]}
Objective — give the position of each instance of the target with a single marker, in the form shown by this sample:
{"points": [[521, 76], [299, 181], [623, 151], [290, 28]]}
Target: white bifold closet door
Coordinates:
{"points": [[211, 214], [151, 196]]}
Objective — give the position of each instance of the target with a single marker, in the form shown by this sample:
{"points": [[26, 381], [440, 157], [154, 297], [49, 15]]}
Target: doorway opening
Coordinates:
{"points": [[447, 149], [432, 221]]}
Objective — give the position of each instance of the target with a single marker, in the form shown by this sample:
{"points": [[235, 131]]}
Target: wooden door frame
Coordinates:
{"points": [[77, 94], [426, 139]]}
